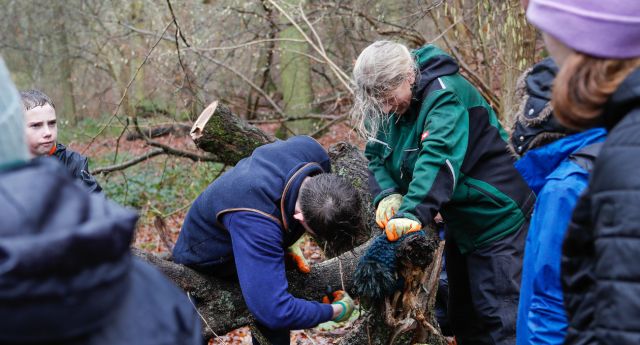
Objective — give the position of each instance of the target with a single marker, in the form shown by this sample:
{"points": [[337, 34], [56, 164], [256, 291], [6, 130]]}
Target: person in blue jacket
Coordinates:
{"points": [[556, 163], [250, 218]]}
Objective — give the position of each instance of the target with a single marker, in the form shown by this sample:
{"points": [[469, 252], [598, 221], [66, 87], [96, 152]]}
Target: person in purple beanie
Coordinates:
{"points": [[596, 45]]}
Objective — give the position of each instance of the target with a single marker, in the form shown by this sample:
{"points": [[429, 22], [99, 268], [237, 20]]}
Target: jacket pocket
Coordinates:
{"points": [[494, 198], [380, 149], [409, 158]]}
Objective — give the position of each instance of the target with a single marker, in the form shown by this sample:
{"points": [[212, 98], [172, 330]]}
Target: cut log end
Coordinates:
{"points": [[198, 127]]}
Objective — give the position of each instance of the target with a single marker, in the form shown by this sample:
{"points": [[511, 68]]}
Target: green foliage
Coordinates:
{"points": [[163, 183], [87, 129], [543, 54]]}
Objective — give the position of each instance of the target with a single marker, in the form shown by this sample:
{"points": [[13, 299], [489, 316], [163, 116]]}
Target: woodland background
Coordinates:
{"points": [[283, 65]]}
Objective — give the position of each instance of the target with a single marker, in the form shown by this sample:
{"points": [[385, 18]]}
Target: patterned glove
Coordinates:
{"points": [[343, 298], [401, 224], [293, 258], [387, 207]]}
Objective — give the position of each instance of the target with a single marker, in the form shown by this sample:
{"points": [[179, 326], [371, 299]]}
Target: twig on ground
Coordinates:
{"points": [[128, 163]]}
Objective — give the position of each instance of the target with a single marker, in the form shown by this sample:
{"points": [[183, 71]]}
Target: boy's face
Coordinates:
{"points": [[41, 129]]}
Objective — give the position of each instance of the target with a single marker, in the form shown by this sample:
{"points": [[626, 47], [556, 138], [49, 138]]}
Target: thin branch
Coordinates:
{"points": [[334, 122], [294, 118], [248, 81], [124, 94], [132, 162], [336, 70], [247, 44]]}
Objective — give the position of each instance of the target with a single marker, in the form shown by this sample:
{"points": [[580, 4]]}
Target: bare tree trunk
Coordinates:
{"points": [[66, 75], [296, 83], [519, 53]]}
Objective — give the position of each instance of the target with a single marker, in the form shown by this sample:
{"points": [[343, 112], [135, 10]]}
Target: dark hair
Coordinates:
{"points": [[332, 208], [33, 98]]}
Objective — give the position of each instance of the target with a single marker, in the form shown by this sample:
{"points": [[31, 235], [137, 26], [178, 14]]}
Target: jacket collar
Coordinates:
{"points": [[292, 226], [623, 100], [538, 164], [57, 148]]}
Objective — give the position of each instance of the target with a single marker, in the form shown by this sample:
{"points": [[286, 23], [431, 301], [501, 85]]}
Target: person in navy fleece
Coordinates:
{"points": [[245, 222]]}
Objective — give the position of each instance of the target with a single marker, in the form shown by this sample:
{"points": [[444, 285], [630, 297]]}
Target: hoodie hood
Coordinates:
{"points": [[64, 255], [538, 164], [433, 63], [626, 97], [533, 124]]}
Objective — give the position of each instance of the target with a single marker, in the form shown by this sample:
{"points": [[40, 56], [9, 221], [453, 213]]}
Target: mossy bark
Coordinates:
{"points": [[231, 138]]}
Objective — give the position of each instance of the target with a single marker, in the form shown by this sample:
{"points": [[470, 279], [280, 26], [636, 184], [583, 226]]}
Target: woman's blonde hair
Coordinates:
{"points": [[584, 85], [379, 70]]}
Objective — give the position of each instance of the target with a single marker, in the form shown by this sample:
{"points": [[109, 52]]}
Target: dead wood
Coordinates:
{"points": [[222, 133], [408, 314], [177, 130], [163, 231]]}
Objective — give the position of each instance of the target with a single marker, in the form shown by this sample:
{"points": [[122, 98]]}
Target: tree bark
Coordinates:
{"points": [[220, 301], [298, 95], [519, 54], [66, 76], [226, 134]]}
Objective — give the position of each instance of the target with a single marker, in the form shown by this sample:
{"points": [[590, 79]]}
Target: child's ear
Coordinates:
{"points": [[298, 215]]}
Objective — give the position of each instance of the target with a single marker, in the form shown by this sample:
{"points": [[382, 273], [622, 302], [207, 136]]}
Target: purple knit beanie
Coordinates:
{"points": [[601, 28]]}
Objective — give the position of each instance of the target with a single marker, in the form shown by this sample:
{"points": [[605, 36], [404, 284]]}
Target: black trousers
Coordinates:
{"points": [[484, 289]]}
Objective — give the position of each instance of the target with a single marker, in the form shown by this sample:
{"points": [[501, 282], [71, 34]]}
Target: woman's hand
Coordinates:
{"points": [[387, 207]]}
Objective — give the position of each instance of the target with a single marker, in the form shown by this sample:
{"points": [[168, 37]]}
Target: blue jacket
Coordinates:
{"points": [[244, 221], [558, 183]]}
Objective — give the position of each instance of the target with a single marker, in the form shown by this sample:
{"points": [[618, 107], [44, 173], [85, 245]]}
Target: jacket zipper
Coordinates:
{"points": [[493, 197]]}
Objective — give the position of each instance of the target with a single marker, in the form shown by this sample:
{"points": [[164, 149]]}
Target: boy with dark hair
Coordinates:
{"points": [[247, 224], [42, 132], [67, 275]]}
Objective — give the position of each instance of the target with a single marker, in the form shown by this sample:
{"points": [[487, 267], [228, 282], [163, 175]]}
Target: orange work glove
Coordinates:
{"points": [[402, 224], [342, 298], [387, 207], [293, 258]]}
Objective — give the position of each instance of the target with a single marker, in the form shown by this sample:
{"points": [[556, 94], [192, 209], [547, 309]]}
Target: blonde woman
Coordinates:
{"points": [[436, 146], [596, 44]]}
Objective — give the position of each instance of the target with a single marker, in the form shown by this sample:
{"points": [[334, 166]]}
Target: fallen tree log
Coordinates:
{"points": [[220, 301], [218, 130]]}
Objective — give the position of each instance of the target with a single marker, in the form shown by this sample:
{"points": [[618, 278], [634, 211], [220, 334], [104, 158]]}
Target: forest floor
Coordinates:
{"points": [[166, 186]]}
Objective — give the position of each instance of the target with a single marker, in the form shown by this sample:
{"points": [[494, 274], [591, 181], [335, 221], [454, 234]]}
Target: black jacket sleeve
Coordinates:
{"points": [[578, 279], [78, 165]]}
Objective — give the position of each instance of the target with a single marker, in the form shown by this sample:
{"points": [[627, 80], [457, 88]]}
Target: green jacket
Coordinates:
{"points": [[448, 154]]}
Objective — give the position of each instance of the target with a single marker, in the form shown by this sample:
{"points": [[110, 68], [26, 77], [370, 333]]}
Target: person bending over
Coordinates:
{"points": [[42, 135], [435, 145], [249, 219]]}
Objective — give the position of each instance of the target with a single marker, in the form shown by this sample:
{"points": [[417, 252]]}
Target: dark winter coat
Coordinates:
{"points": [[66, 272], [78, 166], [242, 223], [601, 250], [448, 154]]}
